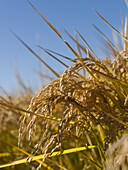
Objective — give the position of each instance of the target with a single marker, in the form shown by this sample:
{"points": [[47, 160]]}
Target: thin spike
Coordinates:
{"points": [[78, 48], [74, 52], [86, 52], [82, 48], [109, 25], [116, 40], [63, 63], [122, 24], [87, 44], [57, 75], [126, 1], [58, 54], [109, 42], [53, 28], [125, 34], [54, 57], [80, 76]]}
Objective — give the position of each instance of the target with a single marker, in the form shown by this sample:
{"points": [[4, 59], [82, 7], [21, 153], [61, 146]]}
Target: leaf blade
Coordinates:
{"points": [[67, 151]]}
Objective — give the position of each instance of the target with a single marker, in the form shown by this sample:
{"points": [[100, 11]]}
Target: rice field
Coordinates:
{"points": [[79, 120]]}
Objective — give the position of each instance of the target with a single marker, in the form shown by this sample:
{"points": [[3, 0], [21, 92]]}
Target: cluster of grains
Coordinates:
{"points": [[86, 102]]}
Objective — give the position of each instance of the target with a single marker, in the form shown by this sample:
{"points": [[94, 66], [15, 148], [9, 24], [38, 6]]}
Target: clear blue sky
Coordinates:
{"points": [[19, 16]]}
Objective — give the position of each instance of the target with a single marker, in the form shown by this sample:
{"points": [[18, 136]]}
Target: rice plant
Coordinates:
{"points": [[83, 112]]}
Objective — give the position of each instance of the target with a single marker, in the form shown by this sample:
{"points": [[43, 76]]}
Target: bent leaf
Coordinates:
{"points": [[26, 153], [73, 150]]}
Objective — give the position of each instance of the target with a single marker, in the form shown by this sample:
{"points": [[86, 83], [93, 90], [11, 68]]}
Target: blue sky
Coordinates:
{"points": [[18, 16]]}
